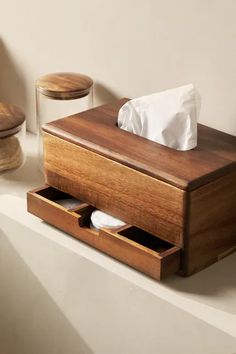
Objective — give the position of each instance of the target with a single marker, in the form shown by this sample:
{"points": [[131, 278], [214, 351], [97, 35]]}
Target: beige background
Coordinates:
{"points": [[130, 48]]}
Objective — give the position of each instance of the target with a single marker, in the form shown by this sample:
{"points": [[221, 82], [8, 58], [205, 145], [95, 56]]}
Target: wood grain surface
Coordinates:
{"points": [[11, 119], [96, 130], [55, 214], [211, 224], [130, 195], [158, 263], [64, 85]]}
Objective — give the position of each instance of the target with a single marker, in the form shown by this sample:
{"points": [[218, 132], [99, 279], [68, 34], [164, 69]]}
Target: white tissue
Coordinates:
{"points": [[99, 219], [168, 118]]}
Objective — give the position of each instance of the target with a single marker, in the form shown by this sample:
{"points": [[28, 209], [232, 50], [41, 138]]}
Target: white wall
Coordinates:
{"points": [[129, 47]]}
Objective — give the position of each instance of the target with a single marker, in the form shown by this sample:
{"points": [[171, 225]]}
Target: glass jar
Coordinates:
{"points": [[59, 95], [12, 132]]}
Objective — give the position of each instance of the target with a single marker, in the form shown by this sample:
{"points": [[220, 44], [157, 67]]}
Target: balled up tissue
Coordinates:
{"points": [[168, 117]]}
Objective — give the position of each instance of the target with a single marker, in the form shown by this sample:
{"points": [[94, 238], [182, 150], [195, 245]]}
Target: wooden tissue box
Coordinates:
{"points": [[180, 207]]}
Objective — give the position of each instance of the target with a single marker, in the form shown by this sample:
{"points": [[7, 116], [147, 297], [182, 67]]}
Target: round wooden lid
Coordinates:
{"points": [[64, 86], [11, 118]]}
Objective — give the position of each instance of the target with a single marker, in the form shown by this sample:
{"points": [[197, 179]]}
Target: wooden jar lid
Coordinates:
{"points": [[11, 119], [64, 86]]}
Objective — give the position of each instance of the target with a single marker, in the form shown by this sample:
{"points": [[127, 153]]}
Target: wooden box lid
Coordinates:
{"points": [[97, 131]]}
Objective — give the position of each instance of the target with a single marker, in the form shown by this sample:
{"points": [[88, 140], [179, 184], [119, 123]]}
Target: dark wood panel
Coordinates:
{"points": [[211, 229], [96, 130]]}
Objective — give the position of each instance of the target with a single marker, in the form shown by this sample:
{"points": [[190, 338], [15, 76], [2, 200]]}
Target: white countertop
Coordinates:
{"points": [[97, 304]]}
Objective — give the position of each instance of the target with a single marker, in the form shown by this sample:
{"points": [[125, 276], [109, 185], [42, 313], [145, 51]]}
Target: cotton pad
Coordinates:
{"points": [[99, 220]]}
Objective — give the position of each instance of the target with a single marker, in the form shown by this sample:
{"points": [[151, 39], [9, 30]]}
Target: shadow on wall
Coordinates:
{"points": [[30, 321], [103, 95], [12, 83]]}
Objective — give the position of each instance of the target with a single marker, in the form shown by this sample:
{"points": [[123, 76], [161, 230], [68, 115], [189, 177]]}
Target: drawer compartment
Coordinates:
{"points": [[129, 244]]}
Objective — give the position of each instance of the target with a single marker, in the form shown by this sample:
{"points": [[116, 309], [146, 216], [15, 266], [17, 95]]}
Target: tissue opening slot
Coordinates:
{"points": [[145, 239]]}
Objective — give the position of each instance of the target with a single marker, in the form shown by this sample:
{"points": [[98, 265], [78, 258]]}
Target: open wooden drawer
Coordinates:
{"points": [[133, 246]]}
